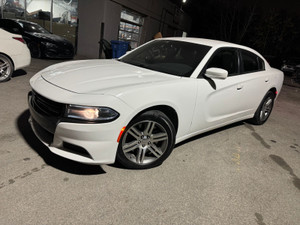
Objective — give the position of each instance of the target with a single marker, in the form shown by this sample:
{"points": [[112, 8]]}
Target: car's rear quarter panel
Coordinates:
{"points": [[17, 51]]}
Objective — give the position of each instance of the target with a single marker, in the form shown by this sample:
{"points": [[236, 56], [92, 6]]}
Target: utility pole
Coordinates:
{"points": [[51, 16]]}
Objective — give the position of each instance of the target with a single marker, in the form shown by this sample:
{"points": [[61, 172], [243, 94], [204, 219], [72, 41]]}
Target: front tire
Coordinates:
{"points": [[147, 141], [35, 50], [6, 68], [264, 110]]}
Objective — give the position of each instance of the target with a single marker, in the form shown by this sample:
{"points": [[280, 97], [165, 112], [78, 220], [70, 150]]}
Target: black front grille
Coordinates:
{"points": [[45, 112], [46, 106], [43, 134]]}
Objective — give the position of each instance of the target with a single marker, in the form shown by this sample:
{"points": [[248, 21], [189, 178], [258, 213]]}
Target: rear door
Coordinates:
{"points": [[255, 80]]}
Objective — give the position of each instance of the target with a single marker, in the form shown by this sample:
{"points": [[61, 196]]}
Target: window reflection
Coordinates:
{"points": [[13, 8], [1, 9], [65, 19], [64, 14], [28, 27], [130, 27]]}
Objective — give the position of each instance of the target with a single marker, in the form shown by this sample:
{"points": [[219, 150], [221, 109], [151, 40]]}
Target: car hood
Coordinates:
{"points": [[101, 76], [49, 37]]}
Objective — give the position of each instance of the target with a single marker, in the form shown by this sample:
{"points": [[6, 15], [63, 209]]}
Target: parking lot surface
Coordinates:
{"points": [[240, 174]]}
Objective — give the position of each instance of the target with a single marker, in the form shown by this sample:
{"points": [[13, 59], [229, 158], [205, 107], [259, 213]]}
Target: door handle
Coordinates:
{"points": [[239, 87], [267, 80]]}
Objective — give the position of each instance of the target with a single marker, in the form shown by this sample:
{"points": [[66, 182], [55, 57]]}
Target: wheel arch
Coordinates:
{"points": [[274, 90], [169, 111], [12, 61]]}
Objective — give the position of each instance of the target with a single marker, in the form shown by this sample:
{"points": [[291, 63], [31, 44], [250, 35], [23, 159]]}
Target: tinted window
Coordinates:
{"points": [[10, 26], [226, 59], [14, 27], [32, 28], [261, 64], [251, 62], [4, 25], [172, 57]]}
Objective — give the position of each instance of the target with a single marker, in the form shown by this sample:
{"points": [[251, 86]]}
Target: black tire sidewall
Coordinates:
{"points": [[256, 119], [164, 121]]}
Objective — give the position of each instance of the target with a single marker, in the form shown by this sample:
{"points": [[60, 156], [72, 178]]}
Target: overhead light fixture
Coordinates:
{"points": [[183, 1]]}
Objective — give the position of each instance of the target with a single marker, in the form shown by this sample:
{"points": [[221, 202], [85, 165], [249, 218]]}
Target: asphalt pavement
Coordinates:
{"points": [[240, 174]]}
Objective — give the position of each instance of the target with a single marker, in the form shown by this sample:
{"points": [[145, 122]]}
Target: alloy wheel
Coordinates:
{"points": [[145, 142], [5, 68], [266, 109]]}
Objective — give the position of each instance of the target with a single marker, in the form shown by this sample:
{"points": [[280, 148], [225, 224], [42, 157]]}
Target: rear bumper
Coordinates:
{"points": [[22, 60]]}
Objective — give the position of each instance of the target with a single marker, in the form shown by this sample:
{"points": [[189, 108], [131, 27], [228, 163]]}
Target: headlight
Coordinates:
{"points": [[91, 113]]}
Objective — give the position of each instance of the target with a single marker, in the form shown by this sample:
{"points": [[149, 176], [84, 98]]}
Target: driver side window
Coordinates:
{"points": [[226, 59]]}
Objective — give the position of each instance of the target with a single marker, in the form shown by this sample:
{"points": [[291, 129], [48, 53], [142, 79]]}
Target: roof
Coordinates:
{"points": [[208, 42], [203, 41], [19, 20], [211, 43]]}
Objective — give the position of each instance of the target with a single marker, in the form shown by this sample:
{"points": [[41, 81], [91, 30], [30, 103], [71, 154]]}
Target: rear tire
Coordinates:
{"points": [[264, 110], [6, 68], [147, 141]]}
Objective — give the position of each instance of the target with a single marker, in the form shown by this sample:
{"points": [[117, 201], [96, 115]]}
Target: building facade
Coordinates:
{"points": [[57, 16], [135, 21], [85, 22]]}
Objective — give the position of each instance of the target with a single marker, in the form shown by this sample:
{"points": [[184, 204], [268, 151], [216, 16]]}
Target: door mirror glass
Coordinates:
{"points": [[216, 73]]}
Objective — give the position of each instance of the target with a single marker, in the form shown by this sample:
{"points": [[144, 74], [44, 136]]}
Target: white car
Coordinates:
{"points": [[14, 54], [136, 108]]}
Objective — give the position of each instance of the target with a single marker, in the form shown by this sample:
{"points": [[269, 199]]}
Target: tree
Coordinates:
{"points": [[275, 33]]}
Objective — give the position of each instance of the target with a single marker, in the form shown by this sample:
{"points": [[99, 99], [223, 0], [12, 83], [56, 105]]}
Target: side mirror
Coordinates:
{"points": [[216, 73]]}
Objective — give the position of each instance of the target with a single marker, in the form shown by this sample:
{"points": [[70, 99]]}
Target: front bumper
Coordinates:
{"points": [[81, 142], [84, 143], [57, 51]]}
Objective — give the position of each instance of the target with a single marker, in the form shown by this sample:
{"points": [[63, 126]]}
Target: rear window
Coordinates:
{"points": [[251, 62]]}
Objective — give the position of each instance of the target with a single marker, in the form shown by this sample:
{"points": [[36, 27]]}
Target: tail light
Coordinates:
{"points": [[20, 39]]}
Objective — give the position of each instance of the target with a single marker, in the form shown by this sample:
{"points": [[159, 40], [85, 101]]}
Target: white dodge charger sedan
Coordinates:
{"points": [[14, 54], [136, 108]]}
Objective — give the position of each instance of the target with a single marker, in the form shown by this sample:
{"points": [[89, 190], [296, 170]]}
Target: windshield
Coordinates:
{"points": [[173, 57], [33, 28]]}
